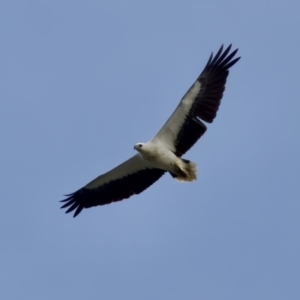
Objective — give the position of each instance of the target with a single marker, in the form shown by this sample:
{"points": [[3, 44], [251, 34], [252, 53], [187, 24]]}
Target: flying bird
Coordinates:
{"points": [[163, 153]]}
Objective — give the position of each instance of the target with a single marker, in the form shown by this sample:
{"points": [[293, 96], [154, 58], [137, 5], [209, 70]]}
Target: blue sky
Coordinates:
{"points": [[81, 83]]}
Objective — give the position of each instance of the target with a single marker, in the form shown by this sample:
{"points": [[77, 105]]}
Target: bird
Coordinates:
{"points": [[164, 152]]}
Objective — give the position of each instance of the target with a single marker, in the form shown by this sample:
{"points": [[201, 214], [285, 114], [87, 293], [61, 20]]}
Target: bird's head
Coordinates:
{"points": [[139, 147]]}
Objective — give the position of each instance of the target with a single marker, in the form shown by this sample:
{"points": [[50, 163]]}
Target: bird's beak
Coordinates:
{"points": [[134, 148]]}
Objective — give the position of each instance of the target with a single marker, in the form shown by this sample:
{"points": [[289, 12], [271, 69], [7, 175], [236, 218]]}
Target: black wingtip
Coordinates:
{"points": [[72, 204], [213, 78], [221, 57], [78, 211]]}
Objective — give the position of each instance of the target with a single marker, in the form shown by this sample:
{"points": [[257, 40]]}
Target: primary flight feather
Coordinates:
{"points": [[163, 153]]}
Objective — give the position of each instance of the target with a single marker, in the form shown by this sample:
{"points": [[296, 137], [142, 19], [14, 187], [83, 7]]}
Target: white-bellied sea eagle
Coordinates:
{"points": [[163, 153]]}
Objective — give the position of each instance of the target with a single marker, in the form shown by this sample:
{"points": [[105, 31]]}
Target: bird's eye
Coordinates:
{"points": [[140, 145]]}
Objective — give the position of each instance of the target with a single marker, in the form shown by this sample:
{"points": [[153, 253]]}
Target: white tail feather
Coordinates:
{"points": [[186, 171]]}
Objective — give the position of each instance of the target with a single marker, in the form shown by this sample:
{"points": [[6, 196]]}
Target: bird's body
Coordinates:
{"points": [[156, 155], [163, 153]]}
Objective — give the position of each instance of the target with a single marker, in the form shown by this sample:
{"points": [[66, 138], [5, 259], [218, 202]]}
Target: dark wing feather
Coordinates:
{"points": [[189, 133], [207, 101], [115, 190], [213, 79]]}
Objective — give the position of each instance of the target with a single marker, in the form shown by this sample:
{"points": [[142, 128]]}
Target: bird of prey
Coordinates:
{"points": [[163, 153]]}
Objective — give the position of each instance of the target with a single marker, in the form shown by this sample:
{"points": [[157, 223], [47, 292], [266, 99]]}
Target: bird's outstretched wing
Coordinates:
{"points": [[201, 101], [131, 177]]}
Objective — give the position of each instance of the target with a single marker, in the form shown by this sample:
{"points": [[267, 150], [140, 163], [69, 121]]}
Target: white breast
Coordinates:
{"points": [[159, 156]]}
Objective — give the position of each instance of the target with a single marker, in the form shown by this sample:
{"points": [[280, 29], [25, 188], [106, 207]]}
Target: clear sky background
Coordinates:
{"points": [[81, 83]]}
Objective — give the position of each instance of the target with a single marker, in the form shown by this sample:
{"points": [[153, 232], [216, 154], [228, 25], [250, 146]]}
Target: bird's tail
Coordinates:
{"points": [[185, 170]]}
